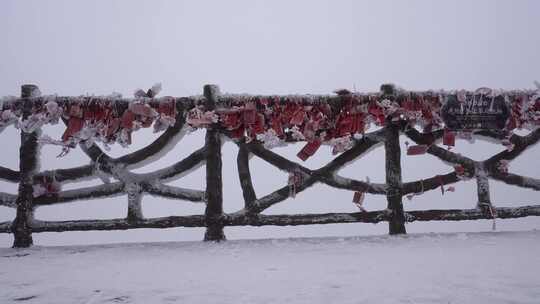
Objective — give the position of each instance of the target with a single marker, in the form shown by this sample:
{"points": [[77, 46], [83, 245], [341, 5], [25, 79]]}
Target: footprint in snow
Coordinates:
{"points": [[17, 255], [24, 298], [77, 251], [120, 299]]}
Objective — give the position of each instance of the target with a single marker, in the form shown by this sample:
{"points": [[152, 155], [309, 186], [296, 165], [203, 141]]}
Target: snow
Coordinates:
{"points": [[500, 267]]}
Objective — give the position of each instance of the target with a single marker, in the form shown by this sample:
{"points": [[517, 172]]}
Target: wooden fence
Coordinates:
{"points": [[134, 185]]}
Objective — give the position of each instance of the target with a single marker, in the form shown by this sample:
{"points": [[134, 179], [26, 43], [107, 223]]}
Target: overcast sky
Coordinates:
{"points": [[274, 47]]}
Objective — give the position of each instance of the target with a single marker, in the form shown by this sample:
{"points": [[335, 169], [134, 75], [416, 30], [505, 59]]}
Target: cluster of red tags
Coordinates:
{"points": [[304, 118], [111, 125], [276, 116], [449, 140], [315, 121], [335, 121]]}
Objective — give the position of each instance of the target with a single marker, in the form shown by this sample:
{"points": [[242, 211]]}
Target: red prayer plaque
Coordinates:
{"points": [[417, 150], [449, 138], [309, 149]]}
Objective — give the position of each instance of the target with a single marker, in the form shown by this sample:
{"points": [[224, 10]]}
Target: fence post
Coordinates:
{"points": [[396, 223], [214, 184], [28, 162]]}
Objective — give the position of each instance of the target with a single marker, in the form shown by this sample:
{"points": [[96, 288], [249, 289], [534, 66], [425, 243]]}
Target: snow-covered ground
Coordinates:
{"points": [[498, 267]]}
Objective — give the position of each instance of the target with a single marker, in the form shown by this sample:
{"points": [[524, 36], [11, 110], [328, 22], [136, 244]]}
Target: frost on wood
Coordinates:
{"points": [[119, 224], [180, 168], [332, 119], [241, 219], [9, 175], [94, 192], [244, 175], [340, 182], [8, 200], [214, 183], [517, 180], [256, 124], [5, 227], [134, 195], [394, 190], [175, 192], [28, 167], [431, 183], [482, 183]]}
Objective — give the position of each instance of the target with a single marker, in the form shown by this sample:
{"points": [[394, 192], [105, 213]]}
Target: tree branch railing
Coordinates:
{"points": [[136, 185]]}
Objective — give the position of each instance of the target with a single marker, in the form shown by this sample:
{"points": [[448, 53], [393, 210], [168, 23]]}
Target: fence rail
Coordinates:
{"points": [[135, 185]]}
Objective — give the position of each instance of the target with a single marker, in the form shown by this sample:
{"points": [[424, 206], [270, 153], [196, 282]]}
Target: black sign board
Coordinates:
{"points": [[476, 112]]}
